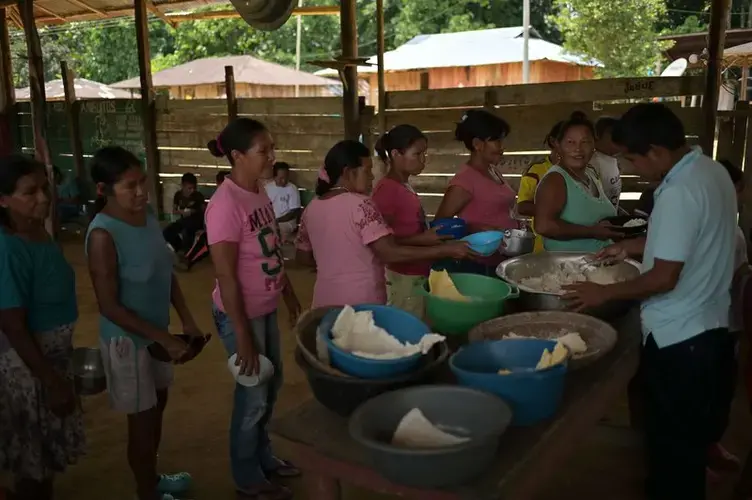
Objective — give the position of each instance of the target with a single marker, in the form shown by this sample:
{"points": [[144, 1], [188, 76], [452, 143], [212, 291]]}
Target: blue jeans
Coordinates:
{"points": [[250, 447]]}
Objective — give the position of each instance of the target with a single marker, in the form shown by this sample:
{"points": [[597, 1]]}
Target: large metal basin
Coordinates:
{"points": [[537, 264]]}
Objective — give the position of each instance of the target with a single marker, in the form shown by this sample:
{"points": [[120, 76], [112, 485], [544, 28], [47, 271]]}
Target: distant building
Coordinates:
{"points": [[205, 79], [85, 89], [472, 59]]}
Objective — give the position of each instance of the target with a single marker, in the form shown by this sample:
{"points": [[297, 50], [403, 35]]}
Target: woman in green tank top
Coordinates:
{"points": [[570, 203]]}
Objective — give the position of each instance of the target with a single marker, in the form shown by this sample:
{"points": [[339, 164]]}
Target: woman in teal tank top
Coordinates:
{"points": [[41, 426], [570, 203], [131, 270]]}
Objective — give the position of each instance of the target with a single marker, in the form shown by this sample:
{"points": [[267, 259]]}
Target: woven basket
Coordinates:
{"points": [[599, 336]]}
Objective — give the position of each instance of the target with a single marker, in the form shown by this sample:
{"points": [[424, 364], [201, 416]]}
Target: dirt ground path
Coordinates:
{"points": [[608, 465]]}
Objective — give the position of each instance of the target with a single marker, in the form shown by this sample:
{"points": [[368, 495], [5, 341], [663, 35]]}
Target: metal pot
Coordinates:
{"points": [[517, 242], [536, 264]]}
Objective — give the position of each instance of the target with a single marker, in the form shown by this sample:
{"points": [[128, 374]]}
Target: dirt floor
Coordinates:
{"points": [[608, 464]]}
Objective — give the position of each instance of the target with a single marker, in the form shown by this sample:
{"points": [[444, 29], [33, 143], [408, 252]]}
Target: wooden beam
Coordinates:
{"points": [[179, 17], [7, 92], [15, 17], [48, 11], [161, 15], [88, 7], [349, 38], [148, 104], [380, 62], [74, 125], [38, 104], [716, 35], [232, 101]]}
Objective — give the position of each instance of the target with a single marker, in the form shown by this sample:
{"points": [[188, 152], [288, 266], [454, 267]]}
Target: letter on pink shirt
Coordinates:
{"points": [[235, 215]]}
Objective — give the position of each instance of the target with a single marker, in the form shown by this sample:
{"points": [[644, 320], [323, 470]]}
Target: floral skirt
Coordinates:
{"points": [[34, 442]]}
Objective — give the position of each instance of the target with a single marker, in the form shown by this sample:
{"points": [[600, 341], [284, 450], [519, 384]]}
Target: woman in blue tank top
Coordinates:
{"points": [[570, 203], [131, 270]]}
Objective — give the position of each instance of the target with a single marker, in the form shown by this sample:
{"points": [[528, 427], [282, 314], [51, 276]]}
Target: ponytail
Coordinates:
{"points": [[344, 154], [99, 204], [400, 138]]}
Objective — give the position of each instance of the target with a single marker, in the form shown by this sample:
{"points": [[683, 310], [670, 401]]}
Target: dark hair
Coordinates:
{"points": [[552, 135], [238, 135], [107, 167], [604, 124], [12, 168], [344, 154], [189, 178], [576, 119], [400, 138], [646, 125], [221, 175], [57, 173], [280, 165], [480, 124], [736, 174]]}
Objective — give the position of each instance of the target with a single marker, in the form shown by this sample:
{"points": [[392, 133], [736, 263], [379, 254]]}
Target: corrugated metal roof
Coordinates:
{"points": [[247, 69], [85, 89], [469, 48]]}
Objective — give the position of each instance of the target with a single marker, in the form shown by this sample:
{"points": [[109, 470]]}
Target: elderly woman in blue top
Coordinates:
{"points": [[687, 266], [41, 430], [131, 270]]}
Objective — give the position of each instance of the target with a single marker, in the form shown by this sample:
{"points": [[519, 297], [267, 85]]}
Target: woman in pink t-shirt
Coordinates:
{"points": [[478, 193], [243, 239], [403, 151], [343, 234]]}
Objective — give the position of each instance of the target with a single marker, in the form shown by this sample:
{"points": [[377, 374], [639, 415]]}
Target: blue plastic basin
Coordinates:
{"points": [[400, 324], [454, 227], [533, 395], [486, 242]]}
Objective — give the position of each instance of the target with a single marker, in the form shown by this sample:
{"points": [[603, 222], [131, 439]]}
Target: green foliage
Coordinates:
{"points": [[620, 34]]}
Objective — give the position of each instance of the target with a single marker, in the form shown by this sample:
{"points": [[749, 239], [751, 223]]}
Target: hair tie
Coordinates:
{"points": [[219, 145], [100, 191], [323, 175]]}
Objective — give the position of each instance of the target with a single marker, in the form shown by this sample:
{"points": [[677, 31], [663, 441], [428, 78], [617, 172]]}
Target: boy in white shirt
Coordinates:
{"points": [[604, 159], [285, 199]]}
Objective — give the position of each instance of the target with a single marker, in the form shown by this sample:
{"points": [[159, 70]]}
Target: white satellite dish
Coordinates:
{"points": [[676, 68]]}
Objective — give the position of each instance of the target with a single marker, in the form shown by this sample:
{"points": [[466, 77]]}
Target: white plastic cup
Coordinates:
{"points": [[266, 371]]}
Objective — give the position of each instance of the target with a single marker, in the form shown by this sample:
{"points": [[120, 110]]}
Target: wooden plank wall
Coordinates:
{"points": [[530, 110], [303, 128]]}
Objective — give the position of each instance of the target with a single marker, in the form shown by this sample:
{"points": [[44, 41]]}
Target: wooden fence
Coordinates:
{"points": [[305, 128], [531, 110]]}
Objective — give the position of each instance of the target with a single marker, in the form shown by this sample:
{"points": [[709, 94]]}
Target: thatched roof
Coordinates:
{"points": [[211, 70], [85, 89]]}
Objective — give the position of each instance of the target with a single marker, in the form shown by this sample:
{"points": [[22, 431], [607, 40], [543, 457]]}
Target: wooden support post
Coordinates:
{"points": [[7, 92], [716, 38], [232, 100], [380, 60], [740, 133], [349, 36], [745, 80], [148, 104], [38, 105], [745, 217], [74, 125]]}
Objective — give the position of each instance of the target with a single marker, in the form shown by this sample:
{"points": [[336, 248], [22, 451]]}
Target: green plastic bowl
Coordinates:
{"points": [[487, 301]]}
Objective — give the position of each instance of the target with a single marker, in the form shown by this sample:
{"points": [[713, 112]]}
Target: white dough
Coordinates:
{"points": [[569, 273], [416, 431], [635, 223], [357, 333]]}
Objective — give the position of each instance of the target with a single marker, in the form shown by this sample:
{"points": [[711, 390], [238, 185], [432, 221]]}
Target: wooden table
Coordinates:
{"points": [[323, 450]]}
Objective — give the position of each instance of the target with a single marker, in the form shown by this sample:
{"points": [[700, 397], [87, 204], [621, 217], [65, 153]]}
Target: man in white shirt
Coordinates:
{"points": [[604, 159], [285, 199]]}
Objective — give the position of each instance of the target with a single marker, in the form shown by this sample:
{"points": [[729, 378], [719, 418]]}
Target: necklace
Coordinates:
{"points": [[338, 188]]}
